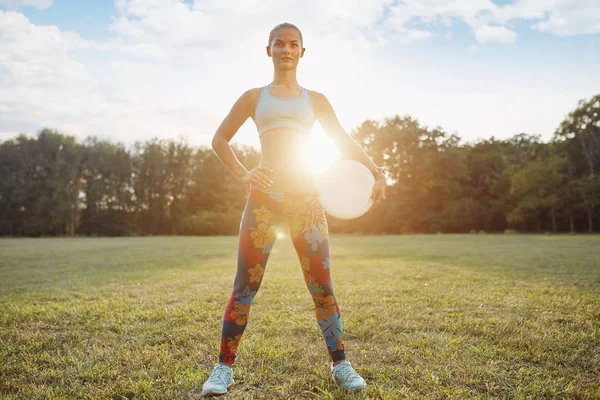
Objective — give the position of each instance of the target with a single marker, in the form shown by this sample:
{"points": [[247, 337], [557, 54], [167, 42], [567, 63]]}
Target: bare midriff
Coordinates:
{"points": [[285, 152]]}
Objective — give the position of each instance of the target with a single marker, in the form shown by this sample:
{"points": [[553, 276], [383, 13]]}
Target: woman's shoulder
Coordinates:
{"points": [[253, 92], [250, 96], [317, 98]]}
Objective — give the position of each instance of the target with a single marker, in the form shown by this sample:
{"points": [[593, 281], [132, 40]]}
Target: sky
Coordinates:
{"points": [[133, 70]]}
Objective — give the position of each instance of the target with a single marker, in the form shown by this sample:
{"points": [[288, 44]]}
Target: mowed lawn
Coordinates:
{"points": [[425, 316]]}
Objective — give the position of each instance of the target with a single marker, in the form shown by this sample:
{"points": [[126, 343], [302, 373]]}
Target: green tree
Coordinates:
{"points": [[536, 185], [487, 185], [179, 175], [42, 185], [107, 190], [425, 170], [581, 130], [588, 188]]}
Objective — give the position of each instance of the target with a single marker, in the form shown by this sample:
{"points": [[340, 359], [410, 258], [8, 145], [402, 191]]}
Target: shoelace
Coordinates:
{"points": [[220, 373], [346, 371]]}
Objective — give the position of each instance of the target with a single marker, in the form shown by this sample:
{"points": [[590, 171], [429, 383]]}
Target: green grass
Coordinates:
{"points": [[425, 316]]}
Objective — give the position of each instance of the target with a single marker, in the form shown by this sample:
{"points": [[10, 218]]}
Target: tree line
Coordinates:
{"points": [[52, 185]]}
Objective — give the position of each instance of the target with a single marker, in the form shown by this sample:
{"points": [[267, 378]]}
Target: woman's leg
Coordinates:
{"points": [[257, 236], [309, 232]]}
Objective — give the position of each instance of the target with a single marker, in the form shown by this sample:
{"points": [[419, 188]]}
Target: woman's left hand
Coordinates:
{"points": [[378, 194]]}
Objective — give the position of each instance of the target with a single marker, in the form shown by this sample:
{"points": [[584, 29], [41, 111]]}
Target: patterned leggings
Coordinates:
{"points": [[307, 225]]}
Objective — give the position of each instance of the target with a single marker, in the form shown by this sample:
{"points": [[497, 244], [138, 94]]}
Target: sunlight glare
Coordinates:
{"points": [[322, 151]]}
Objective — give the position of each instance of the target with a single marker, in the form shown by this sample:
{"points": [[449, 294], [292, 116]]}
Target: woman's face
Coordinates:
{"points": [[286, 48]]}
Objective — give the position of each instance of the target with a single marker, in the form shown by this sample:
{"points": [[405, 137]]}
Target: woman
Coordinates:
{"points": [[282, 191]]}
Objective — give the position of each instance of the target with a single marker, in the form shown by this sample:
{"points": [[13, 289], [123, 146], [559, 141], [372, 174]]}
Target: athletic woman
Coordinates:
{"points": [[282, 191]]}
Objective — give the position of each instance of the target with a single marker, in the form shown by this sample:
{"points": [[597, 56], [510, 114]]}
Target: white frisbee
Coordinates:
{"points": [[345, 189]]}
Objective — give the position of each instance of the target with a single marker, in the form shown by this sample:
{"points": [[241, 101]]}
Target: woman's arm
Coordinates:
{"points": [[345, 143], [239, 113]]}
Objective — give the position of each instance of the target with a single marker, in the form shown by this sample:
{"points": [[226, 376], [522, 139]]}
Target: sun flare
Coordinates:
{"points": [[322, 151]]}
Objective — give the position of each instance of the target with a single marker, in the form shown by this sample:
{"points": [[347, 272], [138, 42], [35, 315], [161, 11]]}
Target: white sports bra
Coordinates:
{"points": [[274, 112]]}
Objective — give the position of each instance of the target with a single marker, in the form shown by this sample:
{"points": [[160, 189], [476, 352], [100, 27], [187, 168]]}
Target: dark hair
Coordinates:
{"points": [[285, 25]]}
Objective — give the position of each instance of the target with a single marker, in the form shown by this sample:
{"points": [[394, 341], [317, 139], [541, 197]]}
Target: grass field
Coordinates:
{"points": [[425, 316]]}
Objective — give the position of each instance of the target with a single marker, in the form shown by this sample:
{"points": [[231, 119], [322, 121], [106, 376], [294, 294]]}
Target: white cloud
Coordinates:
{"points": [[217, 27], [494, 34], [403, 35], [40, 79], [41, 4], [558, 17], [439, 11], [37, 54], [520, 9], [46, 83], [160, 29], [567, 20]]}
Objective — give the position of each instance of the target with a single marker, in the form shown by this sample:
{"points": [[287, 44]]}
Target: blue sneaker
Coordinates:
{"points": [[220, 379], [347, 376]]}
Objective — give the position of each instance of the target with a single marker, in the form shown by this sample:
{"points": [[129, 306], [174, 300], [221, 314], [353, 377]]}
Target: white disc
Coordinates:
{"points": [[345, 189]]}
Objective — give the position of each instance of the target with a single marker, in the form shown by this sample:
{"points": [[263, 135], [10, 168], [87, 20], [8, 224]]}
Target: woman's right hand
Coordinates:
{"points": [[258, 176]]}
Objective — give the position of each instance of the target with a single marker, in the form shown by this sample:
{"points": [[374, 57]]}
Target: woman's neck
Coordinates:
{"points": [[284, 78]]}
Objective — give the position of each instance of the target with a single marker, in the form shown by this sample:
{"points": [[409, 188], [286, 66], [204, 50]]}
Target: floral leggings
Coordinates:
{"points": [[305, 219]]}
